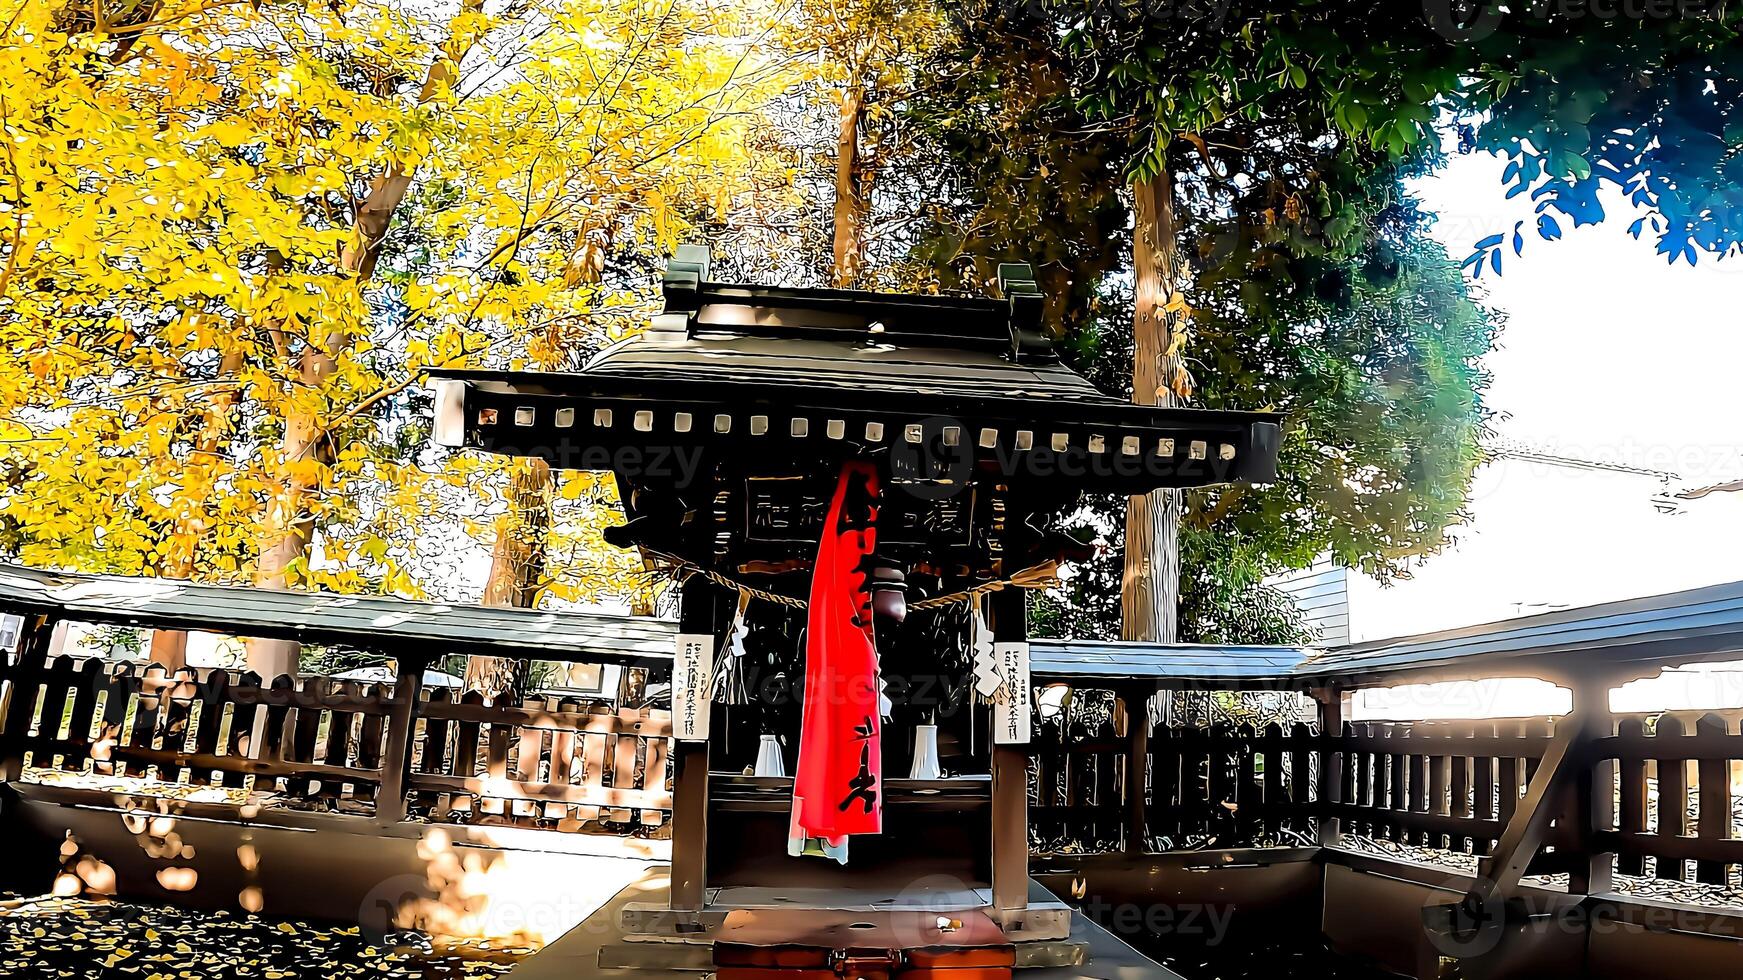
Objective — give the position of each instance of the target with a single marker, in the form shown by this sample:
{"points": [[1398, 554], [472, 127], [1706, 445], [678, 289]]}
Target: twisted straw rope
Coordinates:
{"points": [[1042, 576]]}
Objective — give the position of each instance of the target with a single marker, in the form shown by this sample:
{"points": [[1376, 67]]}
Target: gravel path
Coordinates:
{"points": [[1687, 892], [80, 939]]}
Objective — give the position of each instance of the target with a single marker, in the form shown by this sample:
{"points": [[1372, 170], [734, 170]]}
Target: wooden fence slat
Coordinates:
{"points": [[1398, 774], [1632, 775], [1461, 785], [1419, 779], [1483, 794], [1165, 783], [243, 716], [655, 780], [1673, 798], [526, 765], [496, 764], [1194, 791], [280, 739], [337, 750], [1107, 787], [177, 696], [118, 693], [1249, 800], [1714, 814], [466, 733], [51, 706], [1301, 779], [434, 757], [305, 731], [86, 685], [212, 702], [371, 732], [147, 706], [561, 758], [1508, 769], [1363, 767], [1439, 788], [1275, 802]]}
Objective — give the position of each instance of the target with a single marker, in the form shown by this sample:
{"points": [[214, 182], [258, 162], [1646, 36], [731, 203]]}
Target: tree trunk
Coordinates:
{"points": [[290, 524], [517, 568], [849, 197], [1150, 586], [170, 647]]}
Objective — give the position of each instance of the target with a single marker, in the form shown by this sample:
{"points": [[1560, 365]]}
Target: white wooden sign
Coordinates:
{"points": [[692, 664], [1011, 708]]}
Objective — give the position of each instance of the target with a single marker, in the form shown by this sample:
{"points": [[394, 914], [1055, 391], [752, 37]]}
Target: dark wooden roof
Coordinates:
{"points": [[757, 368], [387, 624], [845, 365]]}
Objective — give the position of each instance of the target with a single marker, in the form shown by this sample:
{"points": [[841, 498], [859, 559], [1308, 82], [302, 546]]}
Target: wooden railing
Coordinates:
{"points": [[581, 766], [1450, 786], [388, 751], [544, 762], [1691, 821]]}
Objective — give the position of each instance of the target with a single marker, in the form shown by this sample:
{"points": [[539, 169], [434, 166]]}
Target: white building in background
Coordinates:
{"points": [[1546, 532]]}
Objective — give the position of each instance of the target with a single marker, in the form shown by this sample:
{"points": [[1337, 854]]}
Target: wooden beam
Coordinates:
{"points": [[20, 697], [1333, 706], [1558, 770], [1010, 769], [1136, 701], [697, 613], [396, 757], [1594, 791]]}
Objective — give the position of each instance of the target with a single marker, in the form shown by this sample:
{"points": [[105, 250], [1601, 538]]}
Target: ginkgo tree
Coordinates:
{"points": [[235, 235]]}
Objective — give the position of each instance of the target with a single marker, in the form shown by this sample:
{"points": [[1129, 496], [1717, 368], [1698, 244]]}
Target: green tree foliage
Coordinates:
{"points": [[1644, 100], [1315, 293], [1648, 105]]}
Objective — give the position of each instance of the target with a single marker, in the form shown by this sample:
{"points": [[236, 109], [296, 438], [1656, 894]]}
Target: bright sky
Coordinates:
{"points": [[1608, 353]]}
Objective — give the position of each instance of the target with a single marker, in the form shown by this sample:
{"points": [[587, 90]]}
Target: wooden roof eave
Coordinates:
{"points": [[1100, 443]]}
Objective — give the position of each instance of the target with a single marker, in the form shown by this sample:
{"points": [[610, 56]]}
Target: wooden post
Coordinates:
{"points": [[697, 613], [1333, 707], [396, 757], [1593, 810], [20, 699], [1010, 770], [1137, 705]]}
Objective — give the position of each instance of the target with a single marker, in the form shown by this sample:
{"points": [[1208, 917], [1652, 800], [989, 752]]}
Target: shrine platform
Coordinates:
{"points": [[600, 946]]}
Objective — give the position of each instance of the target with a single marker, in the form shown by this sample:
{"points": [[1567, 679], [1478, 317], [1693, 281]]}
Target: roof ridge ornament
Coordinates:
{"points": [[1030, 343], [681, 285], [684, 276]]}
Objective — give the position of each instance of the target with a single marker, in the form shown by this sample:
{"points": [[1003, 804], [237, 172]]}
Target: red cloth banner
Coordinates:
{"points": [[838, 789]]}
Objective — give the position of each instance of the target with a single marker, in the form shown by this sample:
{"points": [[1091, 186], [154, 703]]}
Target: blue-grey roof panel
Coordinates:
{"points": [[317, 617], [1697, 624]]}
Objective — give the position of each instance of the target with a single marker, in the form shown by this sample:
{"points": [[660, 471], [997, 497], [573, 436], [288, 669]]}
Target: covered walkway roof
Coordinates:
{"points": [[387, 624], [1680, 627]]}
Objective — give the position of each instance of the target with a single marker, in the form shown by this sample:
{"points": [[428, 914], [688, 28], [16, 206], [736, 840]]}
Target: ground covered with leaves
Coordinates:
{"points": [[79, 939]]}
